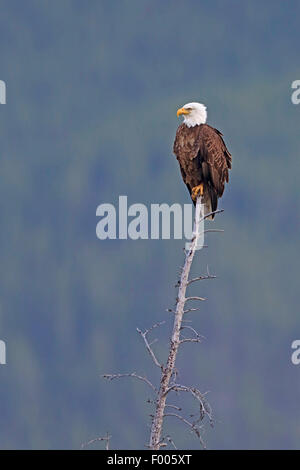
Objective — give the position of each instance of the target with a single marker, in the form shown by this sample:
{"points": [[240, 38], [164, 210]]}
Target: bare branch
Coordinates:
{"points": [[201, 278], [194, 298], [174, 407], [194, 427], [205, 408], [190, 340], [212, 213], [168, 438], [99, 439], [191, 310], [213, 231], [197, 338], [148, 345], [162, 443], [156, 325], [188, 327], [132, 374]]}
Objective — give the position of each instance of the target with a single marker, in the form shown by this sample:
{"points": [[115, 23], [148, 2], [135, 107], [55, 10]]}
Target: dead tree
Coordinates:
{"points": [[168, 379]]}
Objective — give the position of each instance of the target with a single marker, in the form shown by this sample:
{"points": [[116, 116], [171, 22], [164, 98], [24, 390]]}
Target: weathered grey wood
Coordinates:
{"points": [[167, 371]]}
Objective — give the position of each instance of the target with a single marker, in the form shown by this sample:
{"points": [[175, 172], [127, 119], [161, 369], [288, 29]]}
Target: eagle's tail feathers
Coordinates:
{"points": [[211, 203], [208, 209]]}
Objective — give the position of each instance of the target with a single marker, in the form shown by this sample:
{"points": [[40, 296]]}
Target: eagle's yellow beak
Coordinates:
{"points": [[182, 111]]}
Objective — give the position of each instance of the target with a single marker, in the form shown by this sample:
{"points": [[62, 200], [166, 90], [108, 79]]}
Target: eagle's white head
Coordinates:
{"points": [[194, 114]]}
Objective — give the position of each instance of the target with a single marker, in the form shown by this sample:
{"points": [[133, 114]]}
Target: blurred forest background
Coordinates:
{"points": [[92, 93]]}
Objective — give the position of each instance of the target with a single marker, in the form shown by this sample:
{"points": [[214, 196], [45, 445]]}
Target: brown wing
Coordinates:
{"points": [[215, 158], [203, 158], [186, 148]]}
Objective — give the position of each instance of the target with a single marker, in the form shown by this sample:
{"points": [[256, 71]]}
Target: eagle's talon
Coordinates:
{"points": [[197, 191]]}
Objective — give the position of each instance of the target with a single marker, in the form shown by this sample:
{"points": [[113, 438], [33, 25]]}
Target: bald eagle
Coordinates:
{"points": [[203, 157]]}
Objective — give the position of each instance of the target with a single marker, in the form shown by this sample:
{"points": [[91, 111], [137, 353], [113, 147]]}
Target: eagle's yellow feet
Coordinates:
{"points": [[197, 191]]}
